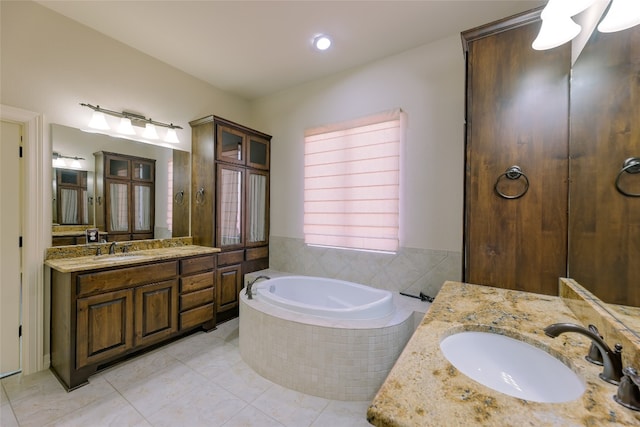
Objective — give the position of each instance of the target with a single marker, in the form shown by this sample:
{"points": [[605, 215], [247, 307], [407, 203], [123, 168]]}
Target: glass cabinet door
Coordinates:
{"points": [[230, 196], [142, 171], [257, 208], [230, 145], [117, 214], [258, 156], [117, 167], [142, 208]]}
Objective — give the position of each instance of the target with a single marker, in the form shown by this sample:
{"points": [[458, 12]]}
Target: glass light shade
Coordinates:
{"points": [[555, 32], [75, 164], [125, 127], [98, 121], [59, 163], [622, 14], [565, 8], [150, 131], [171, 136]]}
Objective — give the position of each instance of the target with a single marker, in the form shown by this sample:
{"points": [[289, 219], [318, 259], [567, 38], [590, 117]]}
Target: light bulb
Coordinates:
{"points": [[555, 31], [98, 121], [150, 131], [322, 42], [172, 136], [622, 14], [125, 127]]}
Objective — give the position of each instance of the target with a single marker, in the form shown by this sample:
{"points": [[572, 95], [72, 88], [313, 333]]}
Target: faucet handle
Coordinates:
{"points": [[628, 394]]}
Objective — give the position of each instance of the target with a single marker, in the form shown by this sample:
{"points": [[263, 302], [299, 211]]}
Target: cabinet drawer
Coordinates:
{"points": [[228, 258], [196, 316], [257, 253], [196, 282], [194, 265], [195, 299], [127, 277]]}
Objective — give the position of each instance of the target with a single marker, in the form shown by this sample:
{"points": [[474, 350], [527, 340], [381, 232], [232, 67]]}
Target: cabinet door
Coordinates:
{"points": [[117, 167], [117, 206], [143, 208], [230, 145], [228, 286], [229, 207], [258, 152], [257, 215], [105, 326], [156, 311]]}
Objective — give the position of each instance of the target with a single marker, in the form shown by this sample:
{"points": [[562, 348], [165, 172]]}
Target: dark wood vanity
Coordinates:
{"points": [[102, 314]]}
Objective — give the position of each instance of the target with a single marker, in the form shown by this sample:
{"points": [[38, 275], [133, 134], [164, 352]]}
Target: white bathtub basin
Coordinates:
{"points": [[512, 367]]}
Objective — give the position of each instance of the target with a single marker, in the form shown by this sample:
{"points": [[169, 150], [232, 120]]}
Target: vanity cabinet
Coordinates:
{"points": [[517, 103], [230, 203], [125, 196], [101, 316]]}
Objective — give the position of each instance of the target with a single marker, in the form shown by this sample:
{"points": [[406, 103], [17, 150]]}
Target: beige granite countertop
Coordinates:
{"points": [[424, 389], [91, 262]]}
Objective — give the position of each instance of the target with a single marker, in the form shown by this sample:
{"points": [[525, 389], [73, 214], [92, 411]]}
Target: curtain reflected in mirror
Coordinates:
{"points": [[119, 209], [230, 203], [72, 199], [142, 213], [68, 206], [257, 207]]}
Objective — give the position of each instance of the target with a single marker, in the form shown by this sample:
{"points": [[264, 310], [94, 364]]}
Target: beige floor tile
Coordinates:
{"points": [[131, 372], [340, 413], [243, 382], [19, 386], [215, 361], [252, 417], [289, 407], [7, 419]]}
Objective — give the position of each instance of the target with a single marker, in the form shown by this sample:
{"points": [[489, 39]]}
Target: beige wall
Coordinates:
{"points": [[427, 83]]}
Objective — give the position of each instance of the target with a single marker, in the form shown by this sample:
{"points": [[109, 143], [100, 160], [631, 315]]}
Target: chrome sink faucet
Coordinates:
{"points": [[112, 248], [250, 285], [611, 359]]}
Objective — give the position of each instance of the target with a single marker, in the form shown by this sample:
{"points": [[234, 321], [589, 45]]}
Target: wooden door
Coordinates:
{"points": [[517, 115], [604, 243], [156, 311], [105, 326]]}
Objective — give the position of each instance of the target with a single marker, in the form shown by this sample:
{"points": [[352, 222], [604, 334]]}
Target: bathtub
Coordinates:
{"points": [[331, 298], [328, 338]]}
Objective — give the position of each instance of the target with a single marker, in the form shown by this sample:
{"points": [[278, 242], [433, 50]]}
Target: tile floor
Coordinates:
{"points": [[199, 380]]}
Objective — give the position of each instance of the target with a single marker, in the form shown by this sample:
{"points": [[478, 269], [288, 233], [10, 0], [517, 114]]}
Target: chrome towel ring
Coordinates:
{"points": [[200, 196], [179, 198], [631, 166], [514, 172]]}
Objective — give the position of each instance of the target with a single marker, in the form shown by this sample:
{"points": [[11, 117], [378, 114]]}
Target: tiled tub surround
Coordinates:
{"points": [[330, 358], [409, 270], [424, 389]]}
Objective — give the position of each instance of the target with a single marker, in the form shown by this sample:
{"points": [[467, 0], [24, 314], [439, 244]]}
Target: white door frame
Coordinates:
{"points": [[36, 153]]}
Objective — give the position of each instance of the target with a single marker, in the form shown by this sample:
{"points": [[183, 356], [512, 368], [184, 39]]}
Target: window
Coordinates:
{"points": [[352, 183]]}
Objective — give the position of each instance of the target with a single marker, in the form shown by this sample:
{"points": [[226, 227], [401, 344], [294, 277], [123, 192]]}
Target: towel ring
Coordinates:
{"points": [[179, 198], [632, 166], [514, 172], [200, 196]]}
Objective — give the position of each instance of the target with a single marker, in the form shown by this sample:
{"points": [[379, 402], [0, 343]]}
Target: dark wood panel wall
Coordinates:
{"points": [[517, 114], [604, 235]]}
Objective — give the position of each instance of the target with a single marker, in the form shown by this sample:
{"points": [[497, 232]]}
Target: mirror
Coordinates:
{"points": [[604, 233], [72, 142], [72, 197]]}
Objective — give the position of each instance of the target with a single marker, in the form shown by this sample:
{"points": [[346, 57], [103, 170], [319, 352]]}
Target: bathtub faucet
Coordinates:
{"points": [[250, 284]]}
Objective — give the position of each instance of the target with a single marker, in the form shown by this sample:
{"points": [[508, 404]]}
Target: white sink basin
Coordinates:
{"points": [[512, 367]]}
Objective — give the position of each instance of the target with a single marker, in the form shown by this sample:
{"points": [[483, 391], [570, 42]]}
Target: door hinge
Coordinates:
{"points": [[19, 331], [21, 148], [20, 242]]}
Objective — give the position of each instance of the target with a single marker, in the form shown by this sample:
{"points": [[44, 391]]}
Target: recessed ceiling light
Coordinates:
{"points": [[322, 42]]}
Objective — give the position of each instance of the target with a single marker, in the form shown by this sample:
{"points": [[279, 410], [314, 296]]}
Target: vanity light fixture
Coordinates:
{"points": [[59, 161], [127, 122], [558, 27], [321, 42]]}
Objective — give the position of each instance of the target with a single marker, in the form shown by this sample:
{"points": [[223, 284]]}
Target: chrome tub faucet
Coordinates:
{"points": [[611, 359], [248, 292]]}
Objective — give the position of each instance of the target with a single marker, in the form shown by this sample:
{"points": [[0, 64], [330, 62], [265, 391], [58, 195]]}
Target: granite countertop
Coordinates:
{"points": [[133, 257], [424, 389]]}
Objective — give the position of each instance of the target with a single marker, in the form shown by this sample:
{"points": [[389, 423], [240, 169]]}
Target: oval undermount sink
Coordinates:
{"points": [[512, 367]]}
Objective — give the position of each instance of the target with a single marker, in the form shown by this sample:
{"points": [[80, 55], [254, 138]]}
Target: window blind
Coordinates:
{"points": [[352, 183]]}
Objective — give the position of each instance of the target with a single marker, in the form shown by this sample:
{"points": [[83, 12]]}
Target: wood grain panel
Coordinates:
{"points": [[202, 177], [517, 114], [181, 183], [604, 237], [156, 311], [120, 278]]}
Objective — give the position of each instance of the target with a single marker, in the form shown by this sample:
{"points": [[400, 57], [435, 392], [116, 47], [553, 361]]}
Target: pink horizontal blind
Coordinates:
{"points": [[351, 183]]}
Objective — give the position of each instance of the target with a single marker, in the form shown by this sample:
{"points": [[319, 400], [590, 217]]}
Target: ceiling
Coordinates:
{"points": [[256, 48]]}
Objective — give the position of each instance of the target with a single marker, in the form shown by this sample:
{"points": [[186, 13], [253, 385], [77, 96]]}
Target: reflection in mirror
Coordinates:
{"points": [[72, 197], [74, 142]]}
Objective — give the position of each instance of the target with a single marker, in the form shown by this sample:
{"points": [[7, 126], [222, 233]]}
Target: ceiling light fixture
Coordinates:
{"points": [[127, 122], [322, 42], [59, 162], [558, 28]]}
